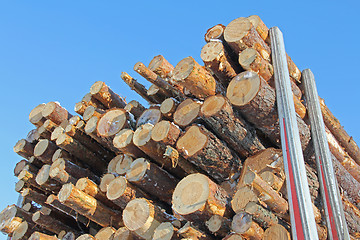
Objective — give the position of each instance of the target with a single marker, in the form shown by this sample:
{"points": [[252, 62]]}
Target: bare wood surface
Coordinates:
{"points": [[91, 111], [165, 132], [44, 150], [42, 236], [276, 232], [123, 165], [105, 233], [158, 93], [55, 112], [218, 225], [137, 87], [105, 180], [243, 224], [44, 180], [188, 231], [168, 107], [215, 33], [187, 112], [90, 100], [112, 122], [124, 233], [91, 129], [100, 91], [161, 67], [166, 231], [24, 148], [135, 108], [11, 217], [151, 115], [242, 197], [36, 117], [123, 141]]}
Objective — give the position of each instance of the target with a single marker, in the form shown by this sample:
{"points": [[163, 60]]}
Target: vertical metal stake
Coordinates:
{"points": [[303, 224], [335, 218]]}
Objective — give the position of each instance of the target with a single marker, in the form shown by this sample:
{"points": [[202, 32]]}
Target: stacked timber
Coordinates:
{"points": [[200, 160]]}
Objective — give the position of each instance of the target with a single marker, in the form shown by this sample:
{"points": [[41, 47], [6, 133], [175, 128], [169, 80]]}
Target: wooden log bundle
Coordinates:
{"points": [[201, 160]]}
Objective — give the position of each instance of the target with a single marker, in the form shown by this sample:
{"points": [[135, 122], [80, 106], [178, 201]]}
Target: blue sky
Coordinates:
{"points": [[55, 50]]}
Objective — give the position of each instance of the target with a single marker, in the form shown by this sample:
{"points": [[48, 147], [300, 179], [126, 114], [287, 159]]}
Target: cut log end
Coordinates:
{"points": [[247, 57], [192, 141], [105, 233], [161, 66], [116, 188], [122, 234], [86, 237], [96, 87], [20, 231], [187, 112], [211, 51], [212, 105], [43, 175], [168, 106], [216, 32], [142, 134], [161, 131], [123, 138], [91, 125], [137, 213], [123, 165], [41, 236], [105, 180], [237, 29], [242, 197], [65, 192], [137, 169], [243, 88], [112, 122], [241, 222], [183, 69], [164, 231], [276, 232], [190, 194]]}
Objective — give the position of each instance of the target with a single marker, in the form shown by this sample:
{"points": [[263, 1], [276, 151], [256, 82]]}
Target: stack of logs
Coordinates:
{"points": [[203, 161]]}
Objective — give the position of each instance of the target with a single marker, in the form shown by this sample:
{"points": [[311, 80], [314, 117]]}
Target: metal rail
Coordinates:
{"points": [[303, 224], [334, 213]]}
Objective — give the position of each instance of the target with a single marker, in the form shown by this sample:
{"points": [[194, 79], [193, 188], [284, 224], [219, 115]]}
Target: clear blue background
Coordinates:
{"points": [[55, 50]]}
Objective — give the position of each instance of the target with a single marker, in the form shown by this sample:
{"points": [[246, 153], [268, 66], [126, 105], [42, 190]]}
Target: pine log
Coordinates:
{"points": [[177, 160], [22, 232], [349, 164], [91, 111], [120, 192], [113, 122], [30, 178], [274, 181], [219, 116], [187, 112], [233, 236], [44, 180], [242, 197], [168, 107], [36, 117], [11, 217], [105, 233], [333, 124], [80, 108], [34, 195], [91, 129], [111, 168], [143, 217], [19, 185], [240, 34], [165, 231], [205, 150], [151, 179], [30, 207], [100, 91], [123, 141], [75, 120], [61, 153], [24, 148], [261, 215], [276, 232], [105, 180], [36, 162], [197, 198], [80, 151], [56, 133], [267, 194], [157, 80], [135, 108], [195, 78], [137, 87], [165, 132], [352, 216], [155, 150], [255, 99], [151, 115], [55, 112], [42, 132], [161, 67], [219, 62], [215, 33], [158, 93], [86, 237], [124, 233], [90, 100], [243, 224], [32, 136], [89, 206], [53, 201], [188, 231], [23, 164], [79, 135], [74, 170], [218, 225], [51, 224], [44, 150], [42, 236]]}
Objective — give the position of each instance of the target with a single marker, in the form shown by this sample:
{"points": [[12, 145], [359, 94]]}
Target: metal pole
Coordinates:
{"points": [[334, 213], [303, 224]]}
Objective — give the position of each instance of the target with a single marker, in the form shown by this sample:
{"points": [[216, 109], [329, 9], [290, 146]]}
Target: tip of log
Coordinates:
{"points": [[137, 213], [241, 222], [96, 87], [56, 133], [56, 167], [167, 105], [49, 108], [51, 198], [190, 194], [237, 29], [137, 169], [36, 216], [122, 233], [82, 183], [243, 196], [89, 112], [112, 164], [247, 57], [105, 180], [41, 236], [142, 134], [36, 114], [160, 130], [43, 174], [156, 62], [91, 125], [164, 231], [116, 188], [183, 69], [19, 185], [243, 88], [124, 164], [112, 122], [211, 51], [41, 147], [276, 232], [192, 141], [74, 120], [19, 146], [105, 233], [126, 78], [65, 192], [20, 231], [214, 223], [214, 33], [123, 138], [212, 105], [187, 112]]}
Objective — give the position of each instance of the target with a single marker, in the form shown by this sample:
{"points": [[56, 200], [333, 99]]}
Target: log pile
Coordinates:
{"points": [[201, 160]]}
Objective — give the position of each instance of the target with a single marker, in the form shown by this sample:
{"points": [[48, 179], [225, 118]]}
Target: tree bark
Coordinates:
{"points": [[219, 116], [11, 217], [91, 111], [100, 91], [205, 150], [261, 215], [44, 180], [24, 148], [187, 112], [90, 100], [137, 87], [55, 112], [188, 231], [89, 206], [352, 216], [195, 78], [197, 199], [42, 236], [158, 93], [219, 62], [44, 150], [255, 99], [151, 179]]}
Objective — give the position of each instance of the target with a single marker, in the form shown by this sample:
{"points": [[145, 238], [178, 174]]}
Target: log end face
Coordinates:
{"points": [[137, 213], [167, 105], [214, 223], [183, 69], [41, 147], [190, 194], [20, 231], [65, 192], [212, 105], [277, 232], [91, 125], [187, 112], [192, 141], [156, 62], [142, 134], [247, 57], [96, 87], [105, 233], [43, 174], [112, 122], [36, 114], [164, 231], [116, 188], [237, 29], [105, 180], [137, 169], [122, 234], [123, 138], [124, 164], [243, 88], [242, 197], [211, 51], [19, 146], [36, 216], [82, 183], [241, 222], [49, 108], [215, 32], [160, 130]]}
